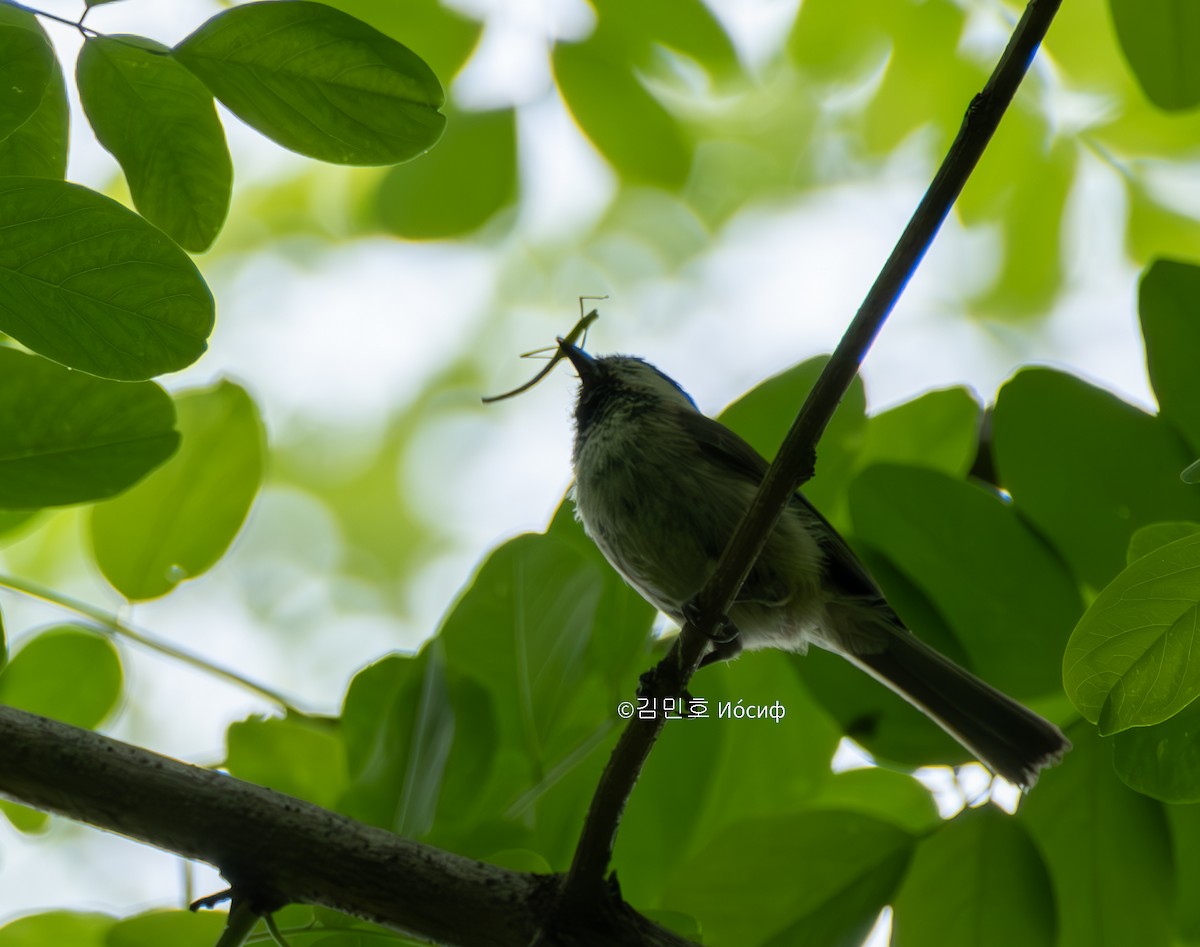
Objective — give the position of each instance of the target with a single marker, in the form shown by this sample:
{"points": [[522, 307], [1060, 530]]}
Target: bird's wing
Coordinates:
{"points": [[730, 450]]}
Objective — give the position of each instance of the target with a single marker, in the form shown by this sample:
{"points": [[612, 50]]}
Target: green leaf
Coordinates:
{"points": [[976, 560], [89, 283], [1030, 215], [1162, 761], [318, 81], [177, 928], [1184, 822], [978, 880], [57, 927], [544, 614], [763, 416], [68, 438], [1167, 299], [939, 429], [556, 639], [27, 62], [885, 724], [825, 49], [178, 522], [463, 183], [420, 743], [1161, 40], [64, 672], [687, 27], [1107, 850], [1132, 660], [24, 819], [1149, 538], [38, 146], [642, 141], [301, 756], [446, 37], [3, 644], [159, 122], [13, 523], [816, 878], [895, 798], [683, 798], [1087, 468]]}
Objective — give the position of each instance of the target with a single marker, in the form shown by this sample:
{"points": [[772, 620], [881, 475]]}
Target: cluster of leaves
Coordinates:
{"points": [[489, 742], [102, 299], [694, 137]]}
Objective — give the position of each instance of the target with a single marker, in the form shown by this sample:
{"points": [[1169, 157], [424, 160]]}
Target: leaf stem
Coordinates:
{"points": [[84, 31], [112, 626]]}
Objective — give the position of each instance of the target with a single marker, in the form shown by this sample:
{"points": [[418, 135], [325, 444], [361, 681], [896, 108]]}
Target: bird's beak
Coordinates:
{"points": [[584, 364]]}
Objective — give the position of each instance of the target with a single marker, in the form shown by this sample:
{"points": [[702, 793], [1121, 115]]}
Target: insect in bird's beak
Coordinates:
{"points": [[578, 332]]}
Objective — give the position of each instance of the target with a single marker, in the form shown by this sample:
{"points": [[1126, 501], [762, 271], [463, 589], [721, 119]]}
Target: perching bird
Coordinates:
{"points": [[660, 488]]}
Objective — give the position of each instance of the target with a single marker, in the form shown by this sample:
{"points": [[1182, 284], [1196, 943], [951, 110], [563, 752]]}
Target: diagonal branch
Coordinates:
{"points": [[794, 463]]}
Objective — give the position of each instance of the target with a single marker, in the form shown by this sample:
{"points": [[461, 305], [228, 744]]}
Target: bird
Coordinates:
{"points": [[660, 488]]}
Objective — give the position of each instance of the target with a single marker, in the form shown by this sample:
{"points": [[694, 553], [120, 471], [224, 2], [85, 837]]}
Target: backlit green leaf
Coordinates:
{"points": [[938, 429], [301, 756], [817, 878], [1168, 300], [763, 416], [1161, 40], [420, 743], [1132, 660], [981, 566], [445, 36], [66, 673], [177, 928], [89, 283], [318, 81], [178, 522], [57, 927], [26, 64], [38, 146], [67, 437], [1185, 851], [159, 122], [1087, 468], [1162, 761], [459, 186], [977, 880], [1106, 847], [625, 122], [1149, 538]]}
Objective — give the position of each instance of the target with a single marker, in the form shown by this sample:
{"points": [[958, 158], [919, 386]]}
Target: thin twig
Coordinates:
{"points": [[794, 463], [109, 624], [84, 31]]}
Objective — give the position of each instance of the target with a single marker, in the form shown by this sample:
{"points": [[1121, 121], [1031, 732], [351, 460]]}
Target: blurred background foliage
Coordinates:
{"points": [[659, 153]]}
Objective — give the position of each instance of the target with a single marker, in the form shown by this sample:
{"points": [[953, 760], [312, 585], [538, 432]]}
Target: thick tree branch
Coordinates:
{"points": [[794, 463], [276, 849]]}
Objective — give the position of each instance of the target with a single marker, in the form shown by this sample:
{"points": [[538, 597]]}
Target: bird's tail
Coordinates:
{"points": [[1009, 739]]}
